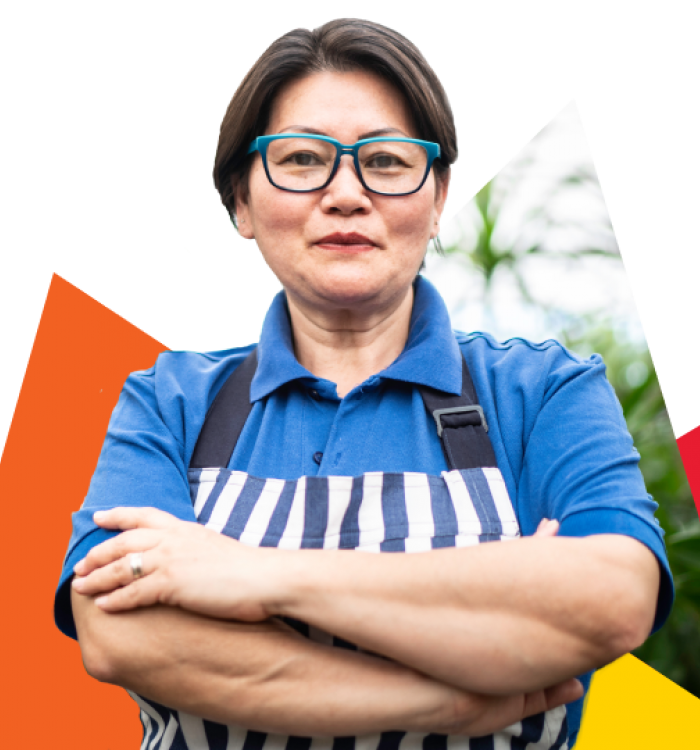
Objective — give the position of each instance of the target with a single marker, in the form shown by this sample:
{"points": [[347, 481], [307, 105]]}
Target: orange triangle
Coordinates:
{"points": [[81, 356]]}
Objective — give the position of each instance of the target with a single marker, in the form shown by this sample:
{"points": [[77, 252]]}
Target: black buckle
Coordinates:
{"points": [[457, 410]]}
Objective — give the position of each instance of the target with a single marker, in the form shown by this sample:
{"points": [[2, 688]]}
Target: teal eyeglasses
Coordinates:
{"points": [[302, 163]]}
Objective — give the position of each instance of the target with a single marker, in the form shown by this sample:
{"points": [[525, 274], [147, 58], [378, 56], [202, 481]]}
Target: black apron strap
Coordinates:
{"points": [[461, 425], [225, 419], [460, 422]]}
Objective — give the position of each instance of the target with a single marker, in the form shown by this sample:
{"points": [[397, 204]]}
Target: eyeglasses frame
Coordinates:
{"points": [[260, 145]]}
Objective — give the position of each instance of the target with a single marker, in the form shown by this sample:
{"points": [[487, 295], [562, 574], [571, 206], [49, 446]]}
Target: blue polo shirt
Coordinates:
{"points": [[556, 426]]}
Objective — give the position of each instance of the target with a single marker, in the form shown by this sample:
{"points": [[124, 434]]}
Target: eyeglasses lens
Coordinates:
{"points": [[388, 167]]}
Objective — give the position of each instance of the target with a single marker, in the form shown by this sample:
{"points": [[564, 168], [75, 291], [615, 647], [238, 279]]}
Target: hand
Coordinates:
{"points": [[475, 715], [184, 565]]}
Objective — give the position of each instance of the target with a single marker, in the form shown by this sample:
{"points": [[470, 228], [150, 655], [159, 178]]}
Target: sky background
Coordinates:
{"points": [[592, 285]]}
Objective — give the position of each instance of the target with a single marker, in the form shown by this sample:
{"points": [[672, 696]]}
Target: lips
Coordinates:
{"points": [[349, 240]]}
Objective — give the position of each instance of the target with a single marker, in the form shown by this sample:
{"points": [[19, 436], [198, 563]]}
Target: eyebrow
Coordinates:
{"points": [[371, 134]]}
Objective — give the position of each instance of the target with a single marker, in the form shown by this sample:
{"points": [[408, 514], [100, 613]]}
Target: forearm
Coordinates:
{"points": [[262, 676], [496, 618]]}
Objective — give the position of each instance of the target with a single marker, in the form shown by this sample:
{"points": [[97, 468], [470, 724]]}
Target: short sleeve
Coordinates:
{"points": [[580, 465], [142, 464]]}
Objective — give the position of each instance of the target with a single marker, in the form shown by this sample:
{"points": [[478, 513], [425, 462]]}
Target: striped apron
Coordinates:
{"points": [[374, 512]]}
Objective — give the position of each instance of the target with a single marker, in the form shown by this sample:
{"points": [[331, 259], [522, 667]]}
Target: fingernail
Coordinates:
{"points": [[98, 515], [78, 583], [79, 566], [101, 601], [552, 522]]}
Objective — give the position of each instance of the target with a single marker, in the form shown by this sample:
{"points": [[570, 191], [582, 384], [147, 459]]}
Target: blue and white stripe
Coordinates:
{"points": [[375, 512]]}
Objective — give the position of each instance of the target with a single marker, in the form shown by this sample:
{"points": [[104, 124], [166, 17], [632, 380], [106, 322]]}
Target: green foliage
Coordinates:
{"points": [[537, 232], [673, 651]]}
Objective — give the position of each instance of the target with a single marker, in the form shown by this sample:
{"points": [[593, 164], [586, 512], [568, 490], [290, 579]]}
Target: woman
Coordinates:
{"points": [[357, 424]]}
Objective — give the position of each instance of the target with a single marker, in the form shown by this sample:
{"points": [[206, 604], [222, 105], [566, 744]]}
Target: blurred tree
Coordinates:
{"points": [[541, 226], [491, 246]]}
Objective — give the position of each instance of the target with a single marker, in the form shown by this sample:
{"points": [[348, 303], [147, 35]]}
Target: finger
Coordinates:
{"points": [[113, 576], [113, 549], [143, 592], [564, 692], [547, 528], [557, 695], [134, 518], [487, 714]]}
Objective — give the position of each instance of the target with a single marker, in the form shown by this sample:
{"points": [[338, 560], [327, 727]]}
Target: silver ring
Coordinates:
{"points": [[136, 562]]}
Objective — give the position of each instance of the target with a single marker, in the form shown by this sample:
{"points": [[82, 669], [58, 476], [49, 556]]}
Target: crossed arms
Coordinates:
{"points": [[477, 638]]}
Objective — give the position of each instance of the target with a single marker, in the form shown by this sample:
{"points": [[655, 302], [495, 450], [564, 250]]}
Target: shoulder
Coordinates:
{"points": [[177, 390], [522, 384], [193, 372], [535, 366], [486, 347]]}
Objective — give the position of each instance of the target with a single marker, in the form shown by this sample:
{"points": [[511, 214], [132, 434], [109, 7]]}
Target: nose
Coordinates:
{"points": [[345, 194]]}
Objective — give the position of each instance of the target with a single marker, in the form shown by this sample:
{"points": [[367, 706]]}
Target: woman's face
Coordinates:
{"points": [[294, 231]]}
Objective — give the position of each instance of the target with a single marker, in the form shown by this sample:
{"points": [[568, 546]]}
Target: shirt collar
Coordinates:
{"points": [[431, 356]]}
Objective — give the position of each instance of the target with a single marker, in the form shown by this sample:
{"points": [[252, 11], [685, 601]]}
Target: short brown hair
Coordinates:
{"points": [[343, 45]]}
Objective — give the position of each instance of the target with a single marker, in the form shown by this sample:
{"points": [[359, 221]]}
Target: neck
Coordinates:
{"points": [[346, 346]]}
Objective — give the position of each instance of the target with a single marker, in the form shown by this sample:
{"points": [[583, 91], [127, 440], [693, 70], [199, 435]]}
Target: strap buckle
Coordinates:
{"points": [[458, 410]]}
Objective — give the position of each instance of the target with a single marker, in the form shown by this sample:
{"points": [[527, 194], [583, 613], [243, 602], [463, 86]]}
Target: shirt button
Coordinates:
{"points": [[318, 457], [314, 395]]}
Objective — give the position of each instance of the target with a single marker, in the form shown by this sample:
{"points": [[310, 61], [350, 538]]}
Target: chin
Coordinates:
{"points": [[351, 292]]}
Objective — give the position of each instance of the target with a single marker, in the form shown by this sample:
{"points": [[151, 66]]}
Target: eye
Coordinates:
{"points": [[303, 159], [383, 161]]}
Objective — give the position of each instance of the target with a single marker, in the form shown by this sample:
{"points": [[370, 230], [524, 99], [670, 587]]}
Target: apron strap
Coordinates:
{"points": [[461, 425], [460, 422], [226, 417]]}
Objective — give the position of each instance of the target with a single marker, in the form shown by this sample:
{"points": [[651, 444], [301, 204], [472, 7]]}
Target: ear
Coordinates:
{"points": [[442, 185], [243, 212]]}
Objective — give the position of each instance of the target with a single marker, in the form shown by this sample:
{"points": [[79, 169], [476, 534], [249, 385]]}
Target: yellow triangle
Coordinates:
{"points": [[631, 705]]}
